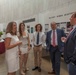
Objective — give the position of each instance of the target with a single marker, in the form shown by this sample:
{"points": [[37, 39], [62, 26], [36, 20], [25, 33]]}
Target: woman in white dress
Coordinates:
{"points": [[11, 44], [24, 48]]}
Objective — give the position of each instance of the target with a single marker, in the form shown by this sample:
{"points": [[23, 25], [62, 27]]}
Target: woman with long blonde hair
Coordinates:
{"points": [[12, 52]]}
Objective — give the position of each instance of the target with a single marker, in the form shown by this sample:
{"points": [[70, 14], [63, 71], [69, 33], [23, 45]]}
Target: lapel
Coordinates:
{"points": [[57, 33], [50, 34], [71, 34]]}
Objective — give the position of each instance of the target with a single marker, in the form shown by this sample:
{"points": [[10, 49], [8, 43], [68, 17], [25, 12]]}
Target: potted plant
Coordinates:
{"points": [[1, 33]]}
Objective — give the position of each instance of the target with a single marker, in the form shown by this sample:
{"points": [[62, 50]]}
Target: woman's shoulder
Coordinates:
{"points": [[8, 35]]}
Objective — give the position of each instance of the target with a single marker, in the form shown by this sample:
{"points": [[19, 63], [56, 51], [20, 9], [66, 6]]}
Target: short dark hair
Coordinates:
{"points": [[40, 27], [74, 14]]}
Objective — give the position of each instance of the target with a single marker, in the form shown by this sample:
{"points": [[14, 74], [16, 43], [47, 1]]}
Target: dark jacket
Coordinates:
{"points": [[70, 48], [60, 33]]}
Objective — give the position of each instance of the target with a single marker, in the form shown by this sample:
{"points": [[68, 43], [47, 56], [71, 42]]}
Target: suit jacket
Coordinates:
{"points": [[60, 33], [70, 48]]}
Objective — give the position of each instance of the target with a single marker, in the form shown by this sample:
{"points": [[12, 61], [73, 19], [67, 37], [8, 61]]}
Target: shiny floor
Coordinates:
{"points": [[46, 66]]}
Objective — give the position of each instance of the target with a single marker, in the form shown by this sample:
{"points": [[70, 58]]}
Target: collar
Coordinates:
{"points": [[74, 26], [54, 30]]}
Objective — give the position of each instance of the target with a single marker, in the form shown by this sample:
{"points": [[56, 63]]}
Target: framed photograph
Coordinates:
{"points": [[32, 30], [58, 25], [28, 29], [46, 27]]}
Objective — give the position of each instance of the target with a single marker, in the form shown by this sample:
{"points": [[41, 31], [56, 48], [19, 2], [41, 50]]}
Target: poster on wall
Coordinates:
{"points": [[58, 25], [46, 27], [62, 25], [32, 30], [28, 29]]}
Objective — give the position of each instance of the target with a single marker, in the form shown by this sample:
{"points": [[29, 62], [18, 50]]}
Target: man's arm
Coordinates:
{"points": [[63, 34], [73, 58], [63, 37], [47, 38], [47, 41]]}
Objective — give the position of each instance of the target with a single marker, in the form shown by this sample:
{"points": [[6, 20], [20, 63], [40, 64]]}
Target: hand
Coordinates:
{"points": [[19, 52], [29, 48], [19, 42], [47, 49], [63, 39], [73, 60]]}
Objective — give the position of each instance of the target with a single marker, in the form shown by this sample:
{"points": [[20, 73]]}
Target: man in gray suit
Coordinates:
{"points": [[70, 47], [54, 45]]}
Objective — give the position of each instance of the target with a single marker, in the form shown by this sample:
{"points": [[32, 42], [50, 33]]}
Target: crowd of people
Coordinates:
{"points": [[17, 45]]}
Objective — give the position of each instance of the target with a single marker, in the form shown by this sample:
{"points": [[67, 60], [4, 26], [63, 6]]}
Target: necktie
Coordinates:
{"points": [[37, 42], [71, 29], [54, 44]]}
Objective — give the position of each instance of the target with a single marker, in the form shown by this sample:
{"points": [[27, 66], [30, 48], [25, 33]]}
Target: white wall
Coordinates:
{"points": [[43, 17], [18, 9], [41, 12], [32, 24], [59, 11], [1, 27]]}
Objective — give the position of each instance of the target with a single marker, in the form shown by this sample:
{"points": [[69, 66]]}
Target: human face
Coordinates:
{"points": [[53, 26], [38, 28], [22, 27], [73, 20], [14, 28]]}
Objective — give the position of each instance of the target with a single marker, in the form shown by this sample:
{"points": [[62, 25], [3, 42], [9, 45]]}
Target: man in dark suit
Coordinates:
{"points": [[70, 47], [54, 45]]}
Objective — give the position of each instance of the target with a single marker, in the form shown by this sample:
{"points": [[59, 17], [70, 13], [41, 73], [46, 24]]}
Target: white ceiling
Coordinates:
{"points": [[19, 9]]}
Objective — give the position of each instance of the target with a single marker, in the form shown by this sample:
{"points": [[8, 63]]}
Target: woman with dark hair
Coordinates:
{"points": [[38, 41], [24, 48], [11, 44]]}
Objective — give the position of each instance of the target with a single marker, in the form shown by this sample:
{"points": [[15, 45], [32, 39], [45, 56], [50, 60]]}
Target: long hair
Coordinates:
{"points": [[40, 27], [9, 28], [20, 32]]}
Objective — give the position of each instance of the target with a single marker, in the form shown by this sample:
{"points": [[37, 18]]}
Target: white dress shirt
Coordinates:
{"points": [[56, 41], [41, 38], [74, 27], [72, 30]]}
